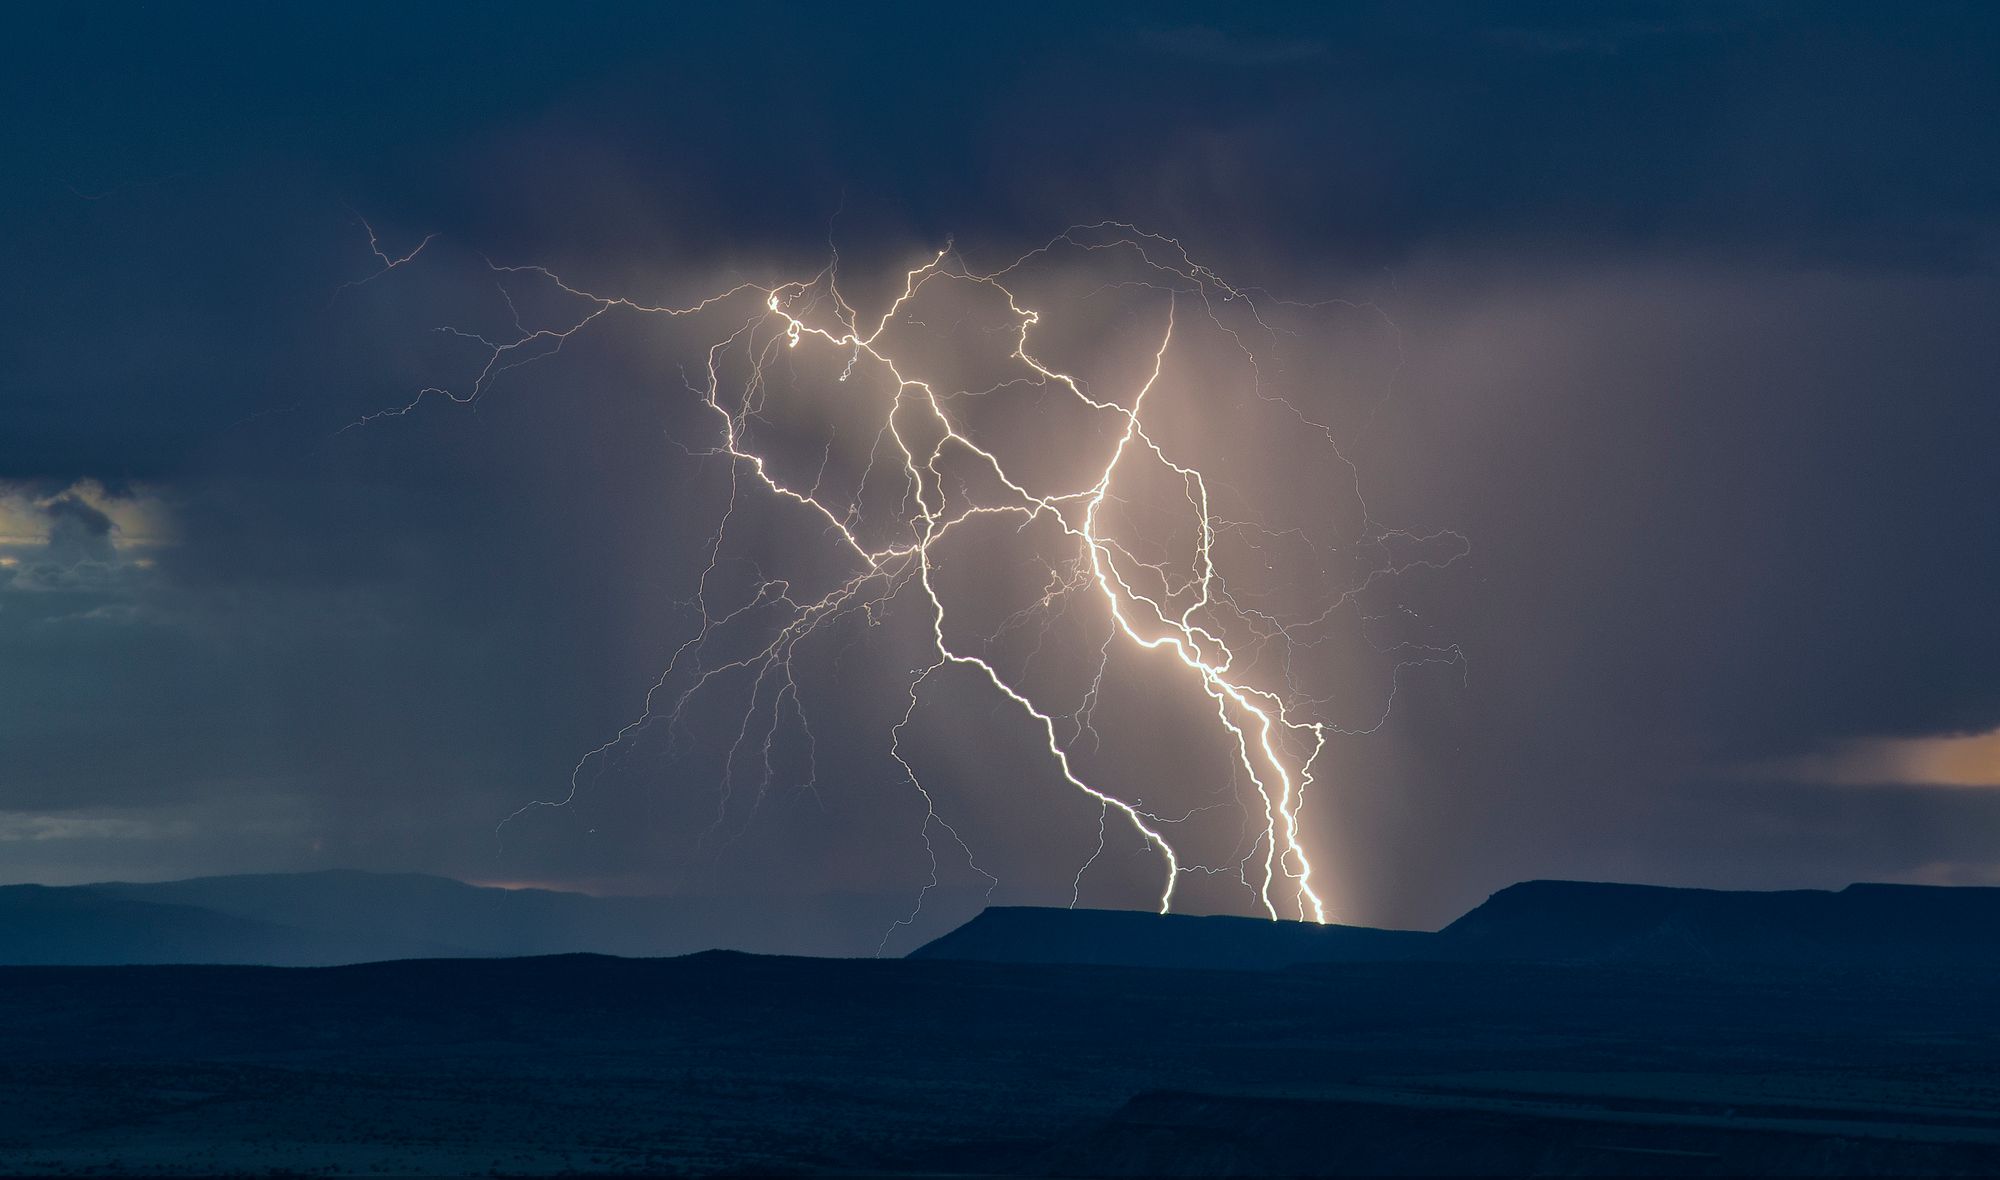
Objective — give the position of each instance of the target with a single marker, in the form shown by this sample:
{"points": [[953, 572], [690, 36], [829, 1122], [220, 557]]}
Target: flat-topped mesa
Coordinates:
{"points": [[1868, 926], [1130, 938], [1863, 925]]}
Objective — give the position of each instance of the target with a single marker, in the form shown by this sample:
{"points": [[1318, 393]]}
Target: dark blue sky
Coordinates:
{"points": [[1694, 306]]}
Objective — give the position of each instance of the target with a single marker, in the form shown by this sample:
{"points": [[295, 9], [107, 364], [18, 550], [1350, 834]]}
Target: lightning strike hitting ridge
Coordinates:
{"points": [[944, 478]]}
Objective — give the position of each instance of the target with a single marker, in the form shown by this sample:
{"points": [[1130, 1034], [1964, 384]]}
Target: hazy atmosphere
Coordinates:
{"points": [[1654, 346]]}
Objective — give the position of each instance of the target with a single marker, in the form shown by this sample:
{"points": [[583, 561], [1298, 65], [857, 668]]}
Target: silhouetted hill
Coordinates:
{"points": [[1859, 926], [341, 916], [1129, 938], [1873, 926], [466, 919], [41, 925]]}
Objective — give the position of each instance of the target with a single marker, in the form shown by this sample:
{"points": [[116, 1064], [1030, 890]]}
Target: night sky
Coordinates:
{"points": [[1682, 315]]}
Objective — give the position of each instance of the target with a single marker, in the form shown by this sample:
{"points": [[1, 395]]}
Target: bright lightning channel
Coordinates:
{"points": [[1273, 745]]}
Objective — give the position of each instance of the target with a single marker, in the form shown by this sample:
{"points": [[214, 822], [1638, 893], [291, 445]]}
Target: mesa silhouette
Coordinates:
{"points": [[336, 917], [1865, 925]]}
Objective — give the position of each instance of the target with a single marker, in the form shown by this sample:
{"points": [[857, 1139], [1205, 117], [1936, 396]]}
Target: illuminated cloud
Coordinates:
{"points": [[80, 538], [1952, 872], [1953, 760], [19, 826]]}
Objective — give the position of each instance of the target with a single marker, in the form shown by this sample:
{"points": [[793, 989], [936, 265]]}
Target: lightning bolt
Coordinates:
{"points": [[1180, 607], [386, 261]]}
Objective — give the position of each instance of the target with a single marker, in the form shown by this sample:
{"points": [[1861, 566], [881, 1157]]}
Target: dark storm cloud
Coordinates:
{"points": [[1208, 44], [1695, 303]]}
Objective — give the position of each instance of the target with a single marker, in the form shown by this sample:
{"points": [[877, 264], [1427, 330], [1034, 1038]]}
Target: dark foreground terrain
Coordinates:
{"points": [[732, 1063]]}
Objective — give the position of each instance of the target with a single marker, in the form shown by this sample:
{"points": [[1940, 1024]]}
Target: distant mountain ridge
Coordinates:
{"points": [[81, 926], [345, 916]]}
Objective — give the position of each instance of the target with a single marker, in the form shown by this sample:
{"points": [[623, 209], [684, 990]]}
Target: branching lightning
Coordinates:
{"points": [[386, 261], [1179, 605]]}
